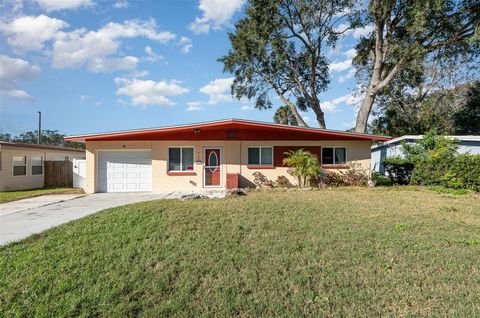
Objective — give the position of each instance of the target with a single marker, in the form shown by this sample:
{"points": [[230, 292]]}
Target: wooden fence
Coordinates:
{"points": [[58, 173]]}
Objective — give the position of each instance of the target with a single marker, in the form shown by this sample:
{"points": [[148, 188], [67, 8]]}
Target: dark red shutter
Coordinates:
{"points": [[279, 152]]}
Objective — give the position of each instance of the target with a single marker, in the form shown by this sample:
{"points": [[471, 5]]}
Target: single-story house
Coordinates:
{"points": [[22, 165], [393, 147], [220, 154]]}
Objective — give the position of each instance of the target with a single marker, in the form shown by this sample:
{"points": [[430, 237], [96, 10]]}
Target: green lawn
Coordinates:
{"points": [[25, 194], [325, 253]]}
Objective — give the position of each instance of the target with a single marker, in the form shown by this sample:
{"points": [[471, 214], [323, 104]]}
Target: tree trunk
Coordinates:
{"points": [[321, 119], [364, 112], [294, 110]]}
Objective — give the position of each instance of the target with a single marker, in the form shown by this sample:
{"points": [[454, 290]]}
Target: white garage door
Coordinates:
{"points": [[124, 171]]}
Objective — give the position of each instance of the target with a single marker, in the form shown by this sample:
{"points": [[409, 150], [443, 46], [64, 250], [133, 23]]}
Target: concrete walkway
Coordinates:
{"points": [[18, 225], [35, 202]]}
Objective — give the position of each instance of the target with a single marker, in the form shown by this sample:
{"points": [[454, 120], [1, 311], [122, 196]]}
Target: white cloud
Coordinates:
{"points": [[152, 56], [148, 92], [355, 33], [340, 66], [194, 106], [13, 70], [121, 4], [332, 105], [247, 107], [54, 5], [349, 75], [84, 98], [350, 53], [92, 48], [29, 33], [349, 124], [186, 44], [16, 93], [215, 14], [105, 65], [218, 90]]}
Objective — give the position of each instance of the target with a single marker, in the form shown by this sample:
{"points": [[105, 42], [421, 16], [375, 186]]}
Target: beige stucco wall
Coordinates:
{"points": [[9, 182], [234, 160]]}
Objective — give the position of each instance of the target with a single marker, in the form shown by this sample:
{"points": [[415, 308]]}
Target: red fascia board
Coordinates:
{"points": [[144, 134]]}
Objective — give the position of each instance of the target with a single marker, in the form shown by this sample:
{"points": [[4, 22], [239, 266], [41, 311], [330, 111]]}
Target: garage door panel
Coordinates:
{"points": [[124, 171]]}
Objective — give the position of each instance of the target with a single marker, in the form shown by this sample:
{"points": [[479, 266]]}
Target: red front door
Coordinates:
{"points": [[212, 172]]}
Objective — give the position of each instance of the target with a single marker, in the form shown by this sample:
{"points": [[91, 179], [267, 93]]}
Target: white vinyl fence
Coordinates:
{"points": [[79, 173]]}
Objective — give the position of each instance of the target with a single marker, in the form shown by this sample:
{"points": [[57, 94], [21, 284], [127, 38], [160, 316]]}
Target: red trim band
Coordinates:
{"points": [[181, 173], [260, 167], [335, 167]]}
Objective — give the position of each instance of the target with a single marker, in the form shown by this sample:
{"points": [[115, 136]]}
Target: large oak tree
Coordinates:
{"points": [[279, 47], [406, 33]]}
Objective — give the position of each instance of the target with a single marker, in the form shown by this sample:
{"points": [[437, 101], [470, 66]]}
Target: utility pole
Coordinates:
{"points": [[39, 127]]}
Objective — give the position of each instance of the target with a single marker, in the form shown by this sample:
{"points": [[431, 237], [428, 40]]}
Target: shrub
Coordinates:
{"points": [[380, 180], [399, 170], [354, 176], [283, 182], [261, 180], [457, 172], [436, 162], [304, 164]]}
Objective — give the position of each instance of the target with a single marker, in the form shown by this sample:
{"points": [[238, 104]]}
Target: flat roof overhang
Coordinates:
{"points": [[230, 129]]}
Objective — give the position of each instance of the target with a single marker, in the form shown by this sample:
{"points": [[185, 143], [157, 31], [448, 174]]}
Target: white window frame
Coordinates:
{"points": [[181, 157], [13, 166], [334, 164], [31, 165], [260, 157]]}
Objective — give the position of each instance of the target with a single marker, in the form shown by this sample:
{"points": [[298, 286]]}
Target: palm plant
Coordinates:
{"points": [[304, 164], [285, 116]]}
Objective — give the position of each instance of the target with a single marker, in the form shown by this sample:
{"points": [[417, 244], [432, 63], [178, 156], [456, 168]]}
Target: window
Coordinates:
{"points": [[260, 156], [19, 165], [37, 165], [180, 159], [334, 155]]}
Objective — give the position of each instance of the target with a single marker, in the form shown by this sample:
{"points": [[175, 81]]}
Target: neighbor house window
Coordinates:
{"points": [[19, 165], [334, 155], [37, 165], [180, 159], [260, 156]]}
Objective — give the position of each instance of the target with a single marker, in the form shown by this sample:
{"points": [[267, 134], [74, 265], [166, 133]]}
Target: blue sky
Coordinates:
{"points": [[93, 66]]}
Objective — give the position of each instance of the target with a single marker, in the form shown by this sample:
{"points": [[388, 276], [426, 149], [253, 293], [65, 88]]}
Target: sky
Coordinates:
{"points": [[96, 66]]}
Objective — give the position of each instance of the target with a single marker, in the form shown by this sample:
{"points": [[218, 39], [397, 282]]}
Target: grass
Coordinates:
{"points": [[327, 253], [25, 194]]}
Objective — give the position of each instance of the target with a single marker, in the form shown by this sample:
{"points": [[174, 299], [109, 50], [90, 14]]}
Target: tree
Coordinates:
{"points": [[467, 118], [284, 116], [305, 166], [278, 47], [49, 137], [414, 103], [406, 32], [5, 137]]}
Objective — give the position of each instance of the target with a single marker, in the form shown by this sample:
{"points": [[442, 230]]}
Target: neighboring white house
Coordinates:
{"points": [[467, 144], [21, 165]]}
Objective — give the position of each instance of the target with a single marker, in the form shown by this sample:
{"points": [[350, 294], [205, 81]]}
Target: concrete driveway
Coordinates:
{"points": [[17, 225]]}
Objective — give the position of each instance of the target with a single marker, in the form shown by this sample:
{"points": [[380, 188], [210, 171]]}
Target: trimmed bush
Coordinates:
{"points": [[399, 170], [380, 180], [283, 182]]}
